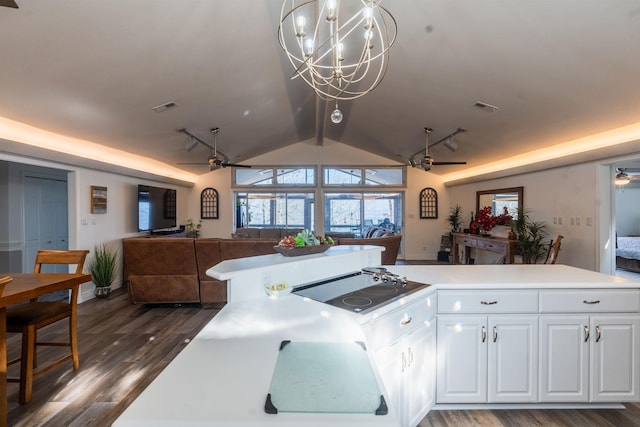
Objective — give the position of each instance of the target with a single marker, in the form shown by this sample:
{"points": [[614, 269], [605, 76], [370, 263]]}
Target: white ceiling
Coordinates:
{"points": [[557, 70]]}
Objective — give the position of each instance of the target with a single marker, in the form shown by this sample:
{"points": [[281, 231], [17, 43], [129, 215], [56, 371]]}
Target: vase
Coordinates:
{"points": [[102, 291], [501, 231]]}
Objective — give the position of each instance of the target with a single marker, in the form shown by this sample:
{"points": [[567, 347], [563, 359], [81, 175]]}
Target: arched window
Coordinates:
{"points": [[209, 203], [428, 203]]}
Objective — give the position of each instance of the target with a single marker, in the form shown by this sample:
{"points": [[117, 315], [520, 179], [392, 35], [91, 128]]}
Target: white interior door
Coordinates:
{"points": [[45, 219]]}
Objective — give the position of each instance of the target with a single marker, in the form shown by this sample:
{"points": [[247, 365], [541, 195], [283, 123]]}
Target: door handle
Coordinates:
{"points": [[598, 334], [597, 301], [406, 321], [488, 302], [410, 357], [495, 334], [586, 333], [484, 334]]}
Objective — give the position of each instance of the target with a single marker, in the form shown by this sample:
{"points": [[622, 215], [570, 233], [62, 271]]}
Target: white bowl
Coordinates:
{"points": [[278, 289]]}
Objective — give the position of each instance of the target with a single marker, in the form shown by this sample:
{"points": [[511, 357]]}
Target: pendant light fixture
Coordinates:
{"points": [[338, 47]]}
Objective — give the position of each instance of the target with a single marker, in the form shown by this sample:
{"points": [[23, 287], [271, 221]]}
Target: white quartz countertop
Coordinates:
{"points": [[509, 276], [222, 377]]}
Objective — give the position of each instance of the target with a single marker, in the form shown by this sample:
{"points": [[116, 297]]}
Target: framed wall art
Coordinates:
{"points": [[98, 200]]}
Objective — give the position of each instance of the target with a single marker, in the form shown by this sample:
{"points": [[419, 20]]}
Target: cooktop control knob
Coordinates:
{"points": [[404, 281]]}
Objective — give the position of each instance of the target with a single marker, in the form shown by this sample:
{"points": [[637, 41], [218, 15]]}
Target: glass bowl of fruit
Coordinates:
{"points": [[277, 289]]}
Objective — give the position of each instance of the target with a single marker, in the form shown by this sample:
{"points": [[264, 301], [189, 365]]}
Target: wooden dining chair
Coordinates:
{"points": [[4, 281], [554, 249], [29, 317]]}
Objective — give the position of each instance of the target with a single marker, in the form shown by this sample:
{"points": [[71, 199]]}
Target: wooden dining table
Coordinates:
{"points": [[23, 287]]}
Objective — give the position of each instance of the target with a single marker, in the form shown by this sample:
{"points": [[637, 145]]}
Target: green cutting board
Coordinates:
{"points": [[324, 378]]}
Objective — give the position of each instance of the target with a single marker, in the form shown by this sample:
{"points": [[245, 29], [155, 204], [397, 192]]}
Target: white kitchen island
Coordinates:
{"points": [[221, 378]]}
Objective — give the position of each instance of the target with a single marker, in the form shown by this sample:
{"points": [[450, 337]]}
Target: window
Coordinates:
{"points": [[353, 176], [280, 210], [209, 203], [352, 212], [275, 176]]}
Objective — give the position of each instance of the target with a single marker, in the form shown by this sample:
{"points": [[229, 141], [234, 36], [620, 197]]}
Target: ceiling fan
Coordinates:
{"points": [[9, 3], [427, 160], [216, 159]]}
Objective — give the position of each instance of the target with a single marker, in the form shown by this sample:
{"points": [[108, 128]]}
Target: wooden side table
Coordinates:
{"points": [[498, 245]]}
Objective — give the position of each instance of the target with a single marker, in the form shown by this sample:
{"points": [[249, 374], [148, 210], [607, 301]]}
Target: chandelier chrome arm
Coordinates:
{"points": [[337, 60]]}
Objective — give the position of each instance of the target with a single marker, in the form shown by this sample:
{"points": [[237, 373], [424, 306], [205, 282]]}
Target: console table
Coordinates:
{"points": [[499, 245]]}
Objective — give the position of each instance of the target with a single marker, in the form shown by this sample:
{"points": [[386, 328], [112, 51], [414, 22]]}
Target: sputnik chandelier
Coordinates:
{"points": [[338, 47]]}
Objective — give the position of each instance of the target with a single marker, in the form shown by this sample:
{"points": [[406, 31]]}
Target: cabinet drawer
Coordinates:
{"points": [[468, 241], [387, 328], [487, 302], [492, 246], [590, 301]]}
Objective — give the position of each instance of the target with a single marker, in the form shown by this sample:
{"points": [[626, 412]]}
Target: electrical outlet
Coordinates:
{"points": [[578, 220], [555, 219], [589, 221], [559, 220], [572, 220]]}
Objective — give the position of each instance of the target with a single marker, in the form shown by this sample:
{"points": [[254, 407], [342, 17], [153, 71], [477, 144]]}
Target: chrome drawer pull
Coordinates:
{"points": [[586, 333], [484, 334], [598, 335], [488, 302], [591, 302], [406, 321], [495, 334]]}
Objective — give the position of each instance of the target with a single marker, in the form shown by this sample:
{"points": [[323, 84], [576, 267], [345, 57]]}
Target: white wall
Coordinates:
{"points": [[628, 210], [119, 222], [567, 192]]}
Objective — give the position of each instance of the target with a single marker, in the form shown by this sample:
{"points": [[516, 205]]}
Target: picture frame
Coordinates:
{"points": [[98, 200]]}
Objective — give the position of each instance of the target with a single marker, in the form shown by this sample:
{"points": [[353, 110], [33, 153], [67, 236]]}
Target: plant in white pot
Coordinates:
{"points": [[103, 267]]}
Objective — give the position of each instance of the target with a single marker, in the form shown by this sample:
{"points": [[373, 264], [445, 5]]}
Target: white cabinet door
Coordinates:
{"points": [[564, 358], [615, 364], [462, 359], [420, 376], [389, 361], [513, 359]]}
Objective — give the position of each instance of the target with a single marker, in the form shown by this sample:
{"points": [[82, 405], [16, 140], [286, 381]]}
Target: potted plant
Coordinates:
{"points": [[455, 219], [530, 236], [103, 267], [193, 229]]}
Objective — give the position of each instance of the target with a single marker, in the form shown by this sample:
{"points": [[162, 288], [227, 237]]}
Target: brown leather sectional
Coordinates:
{"points": [[173, 269]]}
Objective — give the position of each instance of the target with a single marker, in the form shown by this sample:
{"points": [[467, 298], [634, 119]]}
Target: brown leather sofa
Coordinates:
{"points": [[173, 269]]}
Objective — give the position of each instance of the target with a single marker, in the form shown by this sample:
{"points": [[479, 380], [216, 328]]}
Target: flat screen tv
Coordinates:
{"points": [[156, 208]]}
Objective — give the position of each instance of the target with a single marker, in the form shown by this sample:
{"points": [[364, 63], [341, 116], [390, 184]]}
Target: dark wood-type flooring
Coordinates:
{"points": [[123, 347]]}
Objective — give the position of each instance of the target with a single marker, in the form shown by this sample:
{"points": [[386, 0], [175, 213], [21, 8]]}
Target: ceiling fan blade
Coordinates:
{"points": [[9, 3], [448, 163], [193, 163], [237, 166]]}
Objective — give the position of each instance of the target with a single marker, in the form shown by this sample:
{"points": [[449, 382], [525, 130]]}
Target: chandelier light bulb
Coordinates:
{"points": [[308, 47], [336, 116], [367, 12], [301, 21]]}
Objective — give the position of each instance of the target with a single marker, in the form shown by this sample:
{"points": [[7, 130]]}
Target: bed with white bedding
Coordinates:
{"points": [[628, 253]]}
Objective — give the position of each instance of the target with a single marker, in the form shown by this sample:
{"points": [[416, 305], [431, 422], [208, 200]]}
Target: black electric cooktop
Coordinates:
{"points": [[360, 291]]}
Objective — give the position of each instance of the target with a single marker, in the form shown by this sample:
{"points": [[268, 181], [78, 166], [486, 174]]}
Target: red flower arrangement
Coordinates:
{"points": [[486, 221]]}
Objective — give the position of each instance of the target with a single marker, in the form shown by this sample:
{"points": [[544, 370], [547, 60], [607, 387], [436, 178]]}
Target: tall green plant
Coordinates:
{"points": [[103, 266], [531, 237], [455, 219]]}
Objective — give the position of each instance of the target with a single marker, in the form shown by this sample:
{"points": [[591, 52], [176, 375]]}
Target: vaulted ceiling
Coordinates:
{"points": [[557, 70]]}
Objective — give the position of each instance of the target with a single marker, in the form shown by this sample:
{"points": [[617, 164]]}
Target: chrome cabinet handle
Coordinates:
{"points": [[406, 321], [495, 334], [597, 301], [488, 302], [586, 333], [598, 335], [484, 334], [410, 356]]}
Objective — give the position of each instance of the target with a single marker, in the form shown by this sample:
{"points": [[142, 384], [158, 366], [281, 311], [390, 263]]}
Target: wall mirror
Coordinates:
{"points": [[512, 198]]}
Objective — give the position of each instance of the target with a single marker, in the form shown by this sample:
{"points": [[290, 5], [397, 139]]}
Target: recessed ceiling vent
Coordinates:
{"points": [[486, 107], [163, 107]]}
